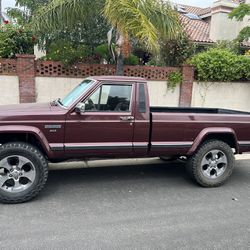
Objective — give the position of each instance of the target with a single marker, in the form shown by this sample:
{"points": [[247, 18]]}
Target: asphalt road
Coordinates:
{"points": [[147, 205]]}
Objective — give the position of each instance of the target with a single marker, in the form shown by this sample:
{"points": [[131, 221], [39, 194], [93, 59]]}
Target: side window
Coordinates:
{"points": [[109, 97], [92, 102]]}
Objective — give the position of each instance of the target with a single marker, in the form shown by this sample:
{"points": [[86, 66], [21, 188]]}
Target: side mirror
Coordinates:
{"points": [[80, 108]]}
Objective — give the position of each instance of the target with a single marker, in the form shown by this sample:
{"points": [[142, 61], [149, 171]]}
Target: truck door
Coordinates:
{"points": [[106, 127]]}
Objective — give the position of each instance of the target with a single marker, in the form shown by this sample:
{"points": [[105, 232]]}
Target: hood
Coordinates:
{"points": [[30, 112], [25, 108]]}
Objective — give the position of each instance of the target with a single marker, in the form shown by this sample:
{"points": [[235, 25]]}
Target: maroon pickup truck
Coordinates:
{"points": [[110, 117]]}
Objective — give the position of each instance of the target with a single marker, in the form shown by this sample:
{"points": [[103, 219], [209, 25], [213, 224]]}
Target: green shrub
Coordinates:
{"points": [[131, 60], [15, 40], [221, 65], [156, 61], [174, 79], [233, 46], [103, 51], [66, 52], [176, 52], [242, 68]]}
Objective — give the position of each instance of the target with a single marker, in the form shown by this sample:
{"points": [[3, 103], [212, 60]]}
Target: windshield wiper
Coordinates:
{"points": [[59, 101], [56, 102]]}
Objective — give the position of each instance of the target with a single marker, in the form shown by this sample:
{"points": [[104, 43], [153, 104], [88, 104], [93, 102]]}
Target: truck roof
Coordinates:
{"points": [[118, 78]]}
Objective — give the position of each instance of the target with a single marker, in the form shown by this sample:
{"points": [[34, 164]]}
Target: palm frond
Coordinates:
{"points": [[65, 13], [146, 20]]}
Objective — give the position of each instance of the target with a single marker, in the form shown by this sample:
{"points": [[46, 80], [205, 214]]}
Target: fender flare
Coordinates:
{"points": [[213, 130], [28, 130]]}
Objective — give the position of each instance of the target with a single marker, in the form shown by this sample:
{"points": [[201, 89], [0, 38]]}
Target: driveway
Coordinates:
{"points": [[146, 205]]}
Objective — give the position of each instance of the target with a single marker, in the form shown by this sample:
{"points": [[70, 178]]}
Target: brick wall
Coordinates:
{"points": [[26, 74], [186, 86]]}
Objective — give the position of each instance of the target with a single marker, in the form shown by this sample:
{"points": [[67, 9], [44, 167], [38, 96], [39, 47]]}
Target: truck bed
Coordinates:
{"points": [[196, 110]]}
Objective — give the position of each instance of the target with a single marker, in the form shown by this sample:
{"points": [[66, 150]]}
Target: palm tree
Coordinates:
{"points": [[148, 21]]}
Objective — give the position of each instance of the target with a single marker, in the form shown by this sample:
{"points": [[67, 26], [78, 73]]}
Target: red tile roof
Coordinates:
{"points": [[197, 30], [205, 11], [194, 10]]}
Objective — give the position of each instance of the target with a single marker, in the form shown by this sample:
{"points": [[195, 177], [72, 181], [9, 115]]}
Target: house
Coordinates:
{"points": [[208, 25]]}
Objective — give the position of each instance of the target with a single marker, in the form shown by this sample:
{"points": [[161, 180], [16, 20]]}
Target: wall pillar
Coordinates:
{"points": [[186, 87], [26, 74]]}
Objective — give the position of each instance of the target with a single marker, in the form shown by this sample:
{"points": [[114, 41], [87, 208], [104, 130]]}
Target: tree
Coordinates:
{"points": [[176, 52], [239, 14], [91, 34], [81, 33], [148, 21], [25, 9], [15, 40]]}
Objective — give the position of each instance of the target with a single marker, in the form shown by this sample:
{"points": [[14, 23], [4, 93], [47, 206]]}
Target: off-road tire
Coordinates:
{"points": [[41, 169], [194, 167]]}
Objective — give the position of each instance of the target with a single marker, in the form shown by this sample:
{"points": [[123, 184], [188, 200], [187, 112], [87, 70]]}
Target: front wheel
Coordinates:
{"points": [[212, 164], [23, 172]]}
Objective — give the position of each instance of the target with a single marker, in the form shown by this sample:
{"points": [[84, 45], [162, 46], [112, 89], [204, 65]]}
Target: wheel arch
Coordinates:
{"points": [[27, 134], [226, 135]]}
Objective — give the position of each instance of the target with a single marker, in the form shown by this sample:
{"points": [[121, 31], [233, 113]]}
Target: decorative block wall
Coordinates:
{"points": [[8, 67], [57, 69]]}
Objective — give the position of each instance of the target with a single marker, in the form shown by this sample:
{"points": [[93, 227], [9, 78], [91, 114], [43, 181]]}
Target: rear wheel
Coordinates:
{"points": [[23, 172], [212, 164]]}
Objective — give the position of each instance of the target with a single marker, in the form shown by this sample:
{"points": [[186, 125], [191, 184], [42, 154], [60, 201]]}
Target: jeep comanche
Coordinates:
{"points": [[110, 117]]}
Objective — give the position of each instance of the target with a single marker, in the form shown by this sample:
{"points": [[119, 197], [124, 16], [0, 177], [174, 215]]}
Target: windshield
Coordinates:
{"points": [[76, 93]]}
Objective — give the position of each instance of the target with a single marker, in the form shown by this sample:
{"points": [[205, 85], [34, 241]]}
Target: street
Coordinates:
{"points": [[149, 204]]}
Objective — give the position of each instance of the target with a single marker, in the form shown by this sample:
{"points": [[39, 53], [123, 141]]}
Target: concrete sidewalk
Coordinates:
{"points": [[118, 162]]}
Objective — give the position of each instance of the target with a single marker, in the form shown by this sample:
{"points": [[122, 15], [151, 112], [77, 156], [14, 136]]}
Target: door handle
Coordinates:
{"points": [[127, 118]]}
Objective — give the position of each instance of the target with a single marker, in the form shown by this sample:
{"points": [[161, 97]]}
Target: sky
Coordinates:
{"points": [[199, 3], [7, 3]]}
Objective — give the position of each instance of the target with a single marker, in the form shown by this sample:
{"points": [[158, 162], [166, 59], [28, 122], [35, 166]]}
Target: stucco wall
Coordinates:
{"points": [[159, 95], [223, 28], [219, 95], [50, 88], [222, 95], [9, 89]]}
